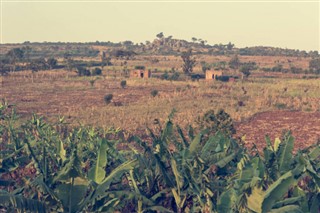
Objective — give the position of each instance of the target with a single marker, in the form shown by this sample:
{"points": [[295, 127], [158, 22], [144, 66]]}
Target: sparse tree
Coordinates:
{"points": [[234, 62], [15, 55], [27, 50], [37, 65], [123, 84], [230, 46], [52, 63], [3, 66], [103, 60], [69, 63], [246, 69], [188, 62], [314, 65], [160, 35], [194, 40], [205, 66]]}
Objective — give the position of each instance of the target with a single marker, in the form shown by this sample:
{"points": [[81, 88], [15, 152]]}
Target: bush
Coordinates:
{"points": [[175, 76], [96, 71], [165, 76], [123, 84], [83, 71], [154, 93], [108, 98], [140, 67], [277, 68], [223, 78], [280, 105], [217, 122], [197, 76], [92, 81]]}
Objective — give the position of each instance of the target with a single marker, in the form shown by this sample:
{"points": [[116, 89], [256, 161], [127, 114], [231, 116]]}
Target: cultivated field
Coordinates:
{"points": [[286, 103], [104, 142]]}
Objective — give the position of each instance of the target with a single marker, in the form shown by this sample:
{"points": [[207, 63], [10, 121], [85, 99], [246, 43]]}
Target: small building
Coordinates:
{"points": [[140, 74], [213, 74]]}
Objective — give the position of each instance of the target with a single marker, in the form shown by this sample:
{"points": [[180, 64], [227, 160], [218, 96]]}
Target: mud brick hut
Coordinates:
{"points": [[140, 74], [213, 74]]}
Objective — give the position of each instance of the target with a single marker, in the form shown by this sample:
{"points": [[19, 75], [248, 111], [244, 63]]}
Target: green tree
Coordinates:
{"points": [[27, 50], [205, 66], [52, 63], [160, 35], [234, 62], [15, 55], [314, 65], [230, 46], [69, 62], [188, 62], [245, 69]]}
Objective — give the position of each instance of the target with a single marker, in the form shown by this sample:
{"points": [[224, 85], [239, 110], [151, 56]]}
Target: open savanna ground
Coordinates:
{"points": [[52, 94]]}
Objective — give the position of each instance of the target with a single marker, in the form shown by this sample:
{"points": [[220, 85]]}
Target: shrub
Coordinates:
{"points": [[165, 76], [108, 98], [123, 84], [197, 76], [175, 76], [277, 68], [280, 105], [223, 78], [217, 122], [154, 93], [83, 71], [92, 81], [188, 62], [96, 71], [140, 67]]}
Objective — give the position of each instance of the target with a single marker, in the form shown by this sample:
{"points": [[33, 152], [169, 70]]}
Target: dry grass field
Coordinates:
{"points": [[286, 103]]}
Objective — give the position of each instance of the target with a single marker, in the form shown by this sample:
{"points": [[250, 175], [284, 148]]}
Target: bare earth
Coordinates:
{"points": [[305, 127]]}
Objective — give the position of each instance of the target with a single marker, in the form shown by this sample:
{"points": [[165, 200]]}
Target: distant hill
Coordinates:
{"points": [[160, 46]]}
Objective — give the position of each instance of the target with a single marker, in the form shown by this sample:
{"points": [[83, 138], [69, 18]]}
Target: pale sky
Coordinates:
{"points": [[285, 24]]}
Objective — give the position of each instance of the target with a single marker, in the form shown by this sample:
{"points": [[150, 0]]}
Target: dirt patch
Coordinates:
{"points": [[305, 127]]}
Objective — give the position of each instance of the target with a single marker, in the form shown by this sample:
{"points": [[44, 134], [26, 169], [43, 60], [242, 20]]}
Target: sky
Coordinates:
{"points": [[278, 23]]}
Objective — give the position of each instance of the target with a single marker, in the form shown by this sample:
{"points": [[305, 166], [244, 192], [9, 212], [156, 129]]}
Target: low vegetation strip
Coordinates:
{"points": [[51, 167]]}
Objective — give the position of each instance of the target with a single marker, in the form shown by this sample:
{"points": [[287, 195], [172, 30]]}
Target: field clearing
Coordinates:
{"points": [[305, 128], [133, 108]]}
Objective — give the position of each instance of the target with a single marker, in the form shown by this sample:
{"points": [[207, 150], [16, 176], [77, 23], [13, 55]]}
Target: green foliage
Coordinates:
{"points": [[17, 202], [188, 62], [140, 67], [92, 81], [52, 63], [314, 65], [38, 64], [219, 122], [96, 71], [223, 78], [173, 77], [154, 93], [68, 61], [172, 170], [123, 84], [83, 71], [221, 65], [165, 76], [205, 66], [123, 53], [246, 68], [108, 98], [234, 62]]}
